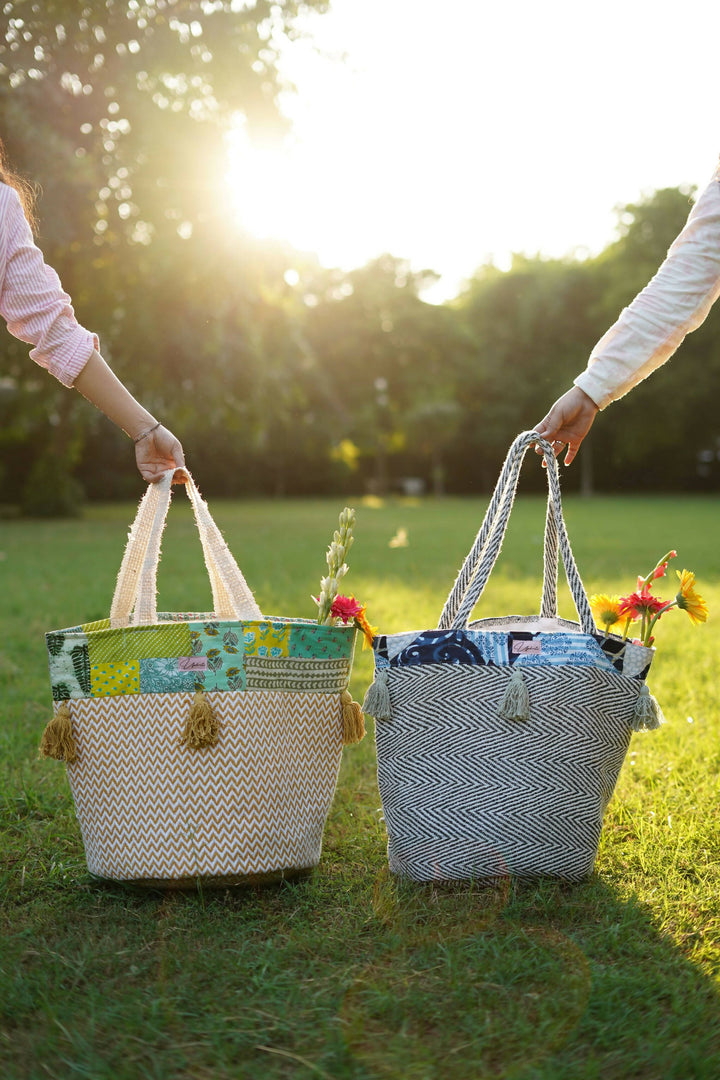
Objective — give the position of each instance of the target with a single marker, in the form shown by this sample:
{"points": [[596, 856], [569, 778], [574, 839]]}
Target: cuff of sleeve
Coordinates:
{"points": [[67, 370], [593, 387]]}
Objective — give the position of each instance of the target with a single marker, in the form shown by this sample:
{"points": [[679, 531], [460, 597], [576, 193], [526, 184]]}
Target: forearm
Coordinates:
{"points": [[676, 301], [101, 386]]}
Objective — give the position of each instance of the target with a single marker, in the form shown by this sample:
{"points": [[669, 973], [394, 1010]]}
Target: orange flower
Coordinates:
{"points": [[689, 600], [368, 631]]}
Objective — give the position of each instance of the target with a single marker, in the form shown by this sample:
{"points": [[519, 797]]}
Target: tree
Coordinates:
{"points": [[140, 93], [386, 357], [120, 110]]}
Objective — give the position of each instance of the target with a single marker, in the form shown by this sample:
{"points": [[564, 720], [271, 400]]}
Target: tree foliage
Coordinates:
{"points": [[279, 375], [140, 93]]}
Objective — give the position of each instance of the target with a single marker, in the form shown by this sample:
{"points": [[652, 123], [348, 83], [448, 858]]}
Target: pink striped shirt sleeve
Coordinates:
{"points": [[32, 300]]}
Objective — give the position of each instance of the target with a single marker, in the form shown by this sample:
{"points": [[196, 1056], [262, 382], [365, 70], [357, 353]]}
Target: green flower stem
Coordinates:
{"points": [[672, 554], [656, 616]]}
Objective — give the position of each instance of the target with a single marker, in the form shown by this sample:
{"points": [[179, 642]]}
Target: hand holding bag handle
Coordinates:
{"points": [[137, 579], [476, 570]]}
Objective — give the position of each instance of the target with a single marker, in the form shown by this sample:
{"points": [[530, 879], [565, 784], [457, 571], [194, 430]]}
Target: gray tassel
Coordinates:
{"points": [[377, 698], [515, 704], [647, 715]]}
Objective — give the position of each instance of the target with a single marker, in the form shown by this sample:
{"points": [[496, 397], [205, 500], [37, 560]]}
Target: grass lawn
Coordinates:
{"points": [[351, 974]]}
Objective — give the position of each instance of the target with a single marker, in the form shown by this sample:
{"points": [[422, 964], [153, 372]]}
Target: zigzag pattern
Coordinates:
{"points": [[255, 803], [466, 793]]}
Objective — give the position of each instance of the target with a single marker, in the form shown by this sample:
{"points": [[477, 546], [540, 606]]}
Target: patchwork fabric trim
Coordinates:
{"points": [[139, 643], [69, 665], [111, 678], [297, 673], [182, 653], [319, 642], [266, 639], [523, 649]]}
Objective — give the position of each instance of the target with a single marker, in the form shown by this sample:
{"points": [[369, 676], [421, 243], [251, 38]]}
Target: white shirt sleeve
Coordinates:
{"points": [[676, 301]]}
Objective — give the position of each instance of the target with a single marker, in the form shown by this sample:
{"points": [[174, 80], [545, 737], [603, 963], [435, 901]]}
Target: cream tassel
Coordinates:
{"points": [[647, 715], [515, 703]]}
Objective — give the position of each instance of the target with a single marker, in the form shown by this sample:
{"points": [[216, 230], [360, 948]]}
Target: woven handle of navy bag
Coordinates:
{"points": [[478, 566], [497, 512], [137, 580]]}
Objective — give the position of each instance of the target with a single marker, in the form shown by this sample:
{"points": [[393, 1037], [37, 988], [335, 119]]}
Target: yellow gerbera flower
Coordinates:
{"points": [[689, 600], [606, 611]]}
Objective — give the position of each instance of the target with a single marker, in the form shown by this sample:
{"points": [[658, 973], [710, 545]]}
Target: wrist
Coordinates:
{"points": [[144, 434], [138, 424]]}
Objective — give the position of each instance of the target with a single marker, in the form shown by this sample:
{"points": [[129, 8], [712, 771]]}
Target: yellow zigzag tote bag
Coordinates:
{"points": [[499, 742], [198, 746]]}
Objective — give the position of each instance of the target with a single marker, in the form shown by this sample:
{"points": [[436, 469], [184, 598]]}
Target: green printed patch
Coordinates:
{"points": [[98, 624], [110, 678], [221, 645], [221, 675], [139, 643], [297, 673], [69, 665], [322, 642], [165, 677]]}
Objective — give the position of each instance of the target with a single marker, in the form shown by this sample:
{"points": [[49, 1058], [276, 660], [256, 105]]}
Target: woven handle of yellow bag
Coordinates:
{"points": [[136, 587]]}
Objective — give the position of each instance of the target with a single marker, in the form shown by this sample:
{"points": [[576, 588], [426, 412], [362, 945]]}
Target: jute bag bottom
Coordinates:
{"points": [[223, 881], [251, 809]]}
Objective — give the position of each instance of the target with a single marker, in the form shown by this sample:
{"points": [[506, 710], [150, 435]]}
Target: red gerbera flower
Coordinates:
{"points": [[640, 603], [346, 608]]}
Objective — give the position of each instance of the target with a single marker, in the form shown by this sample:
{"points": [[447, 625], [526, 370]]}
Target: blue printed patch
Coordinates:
{"points": [[484, 647], [451, 647]]}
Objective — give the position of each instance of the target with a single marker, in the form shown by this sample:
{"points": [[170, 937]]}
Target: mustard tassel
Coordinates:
{"points": [[202, 727], [647, 715], [57, 739], [515, 704], [377, 698], [353, 720]]}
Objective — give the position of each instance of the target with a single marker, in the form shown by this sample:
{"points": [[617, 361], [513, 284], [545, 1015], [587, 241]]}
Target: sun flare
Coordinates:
{"points": [[292, 192]]}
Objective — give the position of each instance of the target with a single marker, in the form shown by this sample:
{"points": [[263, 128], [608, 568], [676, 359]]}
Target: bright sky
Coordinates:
{"points": [[450, 132]]}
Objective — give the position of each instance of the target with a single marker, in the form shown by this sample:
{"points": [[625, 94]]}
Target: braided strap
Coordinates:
{"points": [[478, 565]]}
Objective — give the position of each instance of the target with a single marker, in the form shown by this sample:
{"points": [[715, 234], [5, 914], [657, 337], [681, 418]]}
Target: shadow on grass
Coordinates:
{"points": [[351, 978], [524, 979]]}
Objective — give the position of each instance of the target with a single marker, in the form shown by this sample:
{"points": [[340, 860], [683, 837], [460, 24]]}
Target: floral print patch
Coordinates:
{"points": [[266, 639], [222, 646]]}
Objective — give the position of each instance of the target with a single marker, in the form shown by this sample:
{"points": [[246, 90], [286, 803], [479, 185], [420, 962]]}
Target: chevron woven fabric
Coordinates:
{"points": [[256, 803], [466, 793]]}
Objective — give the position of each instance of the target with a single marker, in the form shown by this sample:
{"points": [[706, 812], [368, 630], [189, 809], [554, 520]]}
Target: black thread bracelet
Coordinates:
{"points": [[148, 432]]}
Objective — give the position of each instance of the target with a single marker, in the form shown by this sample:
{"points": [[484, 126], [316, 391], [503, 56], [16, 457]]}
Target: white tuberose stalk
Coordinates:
{"points": [[342, 541]]}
